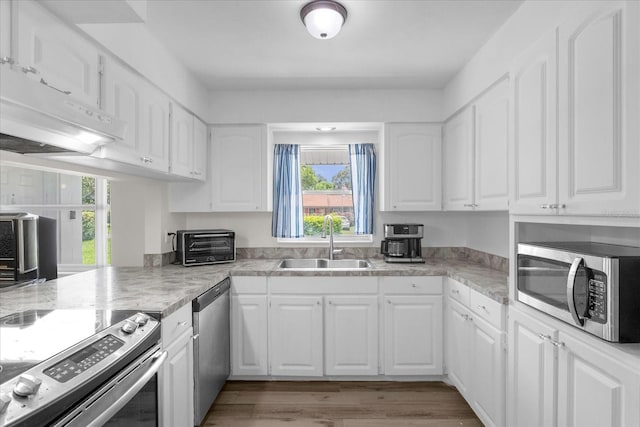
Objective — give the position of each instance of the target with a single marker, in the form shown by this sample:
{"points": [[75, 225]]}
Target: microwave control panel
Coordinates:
{"points": [[598, 298]]}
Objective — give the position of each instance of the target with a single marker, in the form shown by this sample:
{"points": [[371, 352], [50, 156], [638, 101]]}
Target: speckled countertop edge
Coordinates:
{"points": [[166, 289]]}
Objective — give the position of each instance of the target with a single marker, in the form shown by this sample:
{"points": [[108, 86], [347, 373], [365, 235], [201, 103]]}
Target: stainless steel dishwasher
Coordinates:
{"points": [[211, 346]]}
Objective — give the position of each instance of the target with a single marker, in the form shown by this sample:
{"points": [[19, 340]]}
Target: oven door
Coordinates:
{"points": [[570, 287], [130, 398]]}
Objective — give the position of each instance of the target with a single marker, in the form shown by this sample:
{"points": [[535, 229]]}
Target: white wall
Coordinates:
{"points": [[140, 219], [285, 106], [525, 26], [135, 45]]}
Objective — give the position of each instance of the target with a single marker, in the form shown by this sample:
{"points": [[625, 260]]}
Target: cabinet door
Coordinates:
{"points": [[122, 98], [459, 347], [413, 171], [458, 162], [5, 29], [63, 58], [200, 149], [491, 148], [487, 367], [532, 370], [154, 142], [599, 108], [295, 332], [176, 401], [595, 389], [413, 335], [181, 142], [249, 335], [238, 171], [351, 335], [533, 175]]}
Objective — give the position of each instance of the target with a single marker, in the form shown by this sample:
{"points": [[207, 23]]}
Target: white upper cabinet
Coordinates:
{"points": [[458, 161], [238, 159], [599, 102], [154, 138], [59, 55], [188, 146], [533, 157], [491, 149], [412, 167], [475, 154], [5, 29]]}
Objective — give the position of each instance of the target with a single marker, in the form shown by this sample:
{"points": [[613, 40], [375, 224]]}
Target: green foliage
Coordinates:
{"points": [[313, 225], [308, 177], [324, 185], [342, 179], [88, 225], [88, 190]]}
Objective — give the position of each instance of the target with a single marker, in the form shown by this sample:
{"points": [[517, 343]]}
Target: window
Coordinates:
{"points": [[311, 182], [79, 204]]}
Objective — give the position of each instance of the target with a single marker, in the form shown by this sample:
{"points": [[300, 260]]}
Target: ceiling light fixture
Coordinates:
{"points": [[323, 18]]}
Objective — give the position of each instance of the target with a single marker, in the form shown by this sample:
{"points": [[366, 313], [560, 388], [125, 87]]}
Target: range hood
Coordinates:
{"points": [[38, 119]]}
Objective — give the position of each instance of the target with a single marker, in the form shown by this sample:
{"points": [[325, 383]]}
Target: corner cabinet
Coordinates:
{"points": [[176, 376], [475, 154], [557, 378], [595, 100], [412, 167], [238, 168]]}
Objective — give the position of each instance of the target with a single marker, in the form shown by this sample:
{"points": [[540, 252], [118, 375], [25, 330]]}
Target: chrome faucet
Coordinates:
{"points": [[332, 251]]}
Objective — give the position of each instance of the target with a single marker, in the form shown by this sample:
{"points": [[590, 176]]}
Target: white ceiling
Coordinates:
{"points": [[262, 44]]}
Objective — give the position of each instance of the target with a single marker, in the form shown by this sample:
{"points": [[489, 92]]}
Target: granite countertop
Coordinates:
{"points": [[165, 289]]}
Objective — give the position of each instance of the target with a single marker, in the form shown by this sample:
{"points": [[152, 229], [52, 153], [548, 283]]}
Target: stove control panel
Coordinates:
{"points": [[27, 385]]}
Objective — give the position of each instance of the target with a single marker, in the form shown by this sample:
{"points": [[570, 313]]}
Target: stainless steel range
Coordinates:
{"points": [[79, 368]]}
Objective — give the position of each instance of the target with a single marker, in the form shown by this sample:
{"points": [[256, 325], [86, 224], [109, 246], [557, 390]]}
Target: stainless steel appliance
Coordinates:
{"points": [[211, 365], [592, 286], [79, 368], [28, 248], [200, 247], [402, 243], [40, 119]]}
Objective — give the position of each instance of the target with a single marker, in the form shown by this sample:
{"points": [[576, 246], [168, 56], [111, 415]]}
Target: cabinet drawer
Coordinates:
{"points": [[458, 291], [175, 324], [430, 285], [490, 310], [248, 285]]}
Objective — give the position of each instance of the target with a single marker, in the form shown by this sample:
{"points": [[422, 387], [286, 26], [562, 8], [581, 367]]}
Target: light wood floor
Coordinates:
{"points": [[339, 404]]}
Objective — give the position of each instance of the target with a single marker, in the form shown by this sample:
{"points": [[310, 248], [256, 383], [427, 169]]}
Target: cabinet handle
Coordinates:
{"points": [[329, 302], [7, 60], [413, 285], [195, 337], [558, 344], [318, 302], [388, 301], [183, 323], [30, 69], [482, 307], [455, 291], [545, 337], [468, 205], [553, 206], [66, 92]]}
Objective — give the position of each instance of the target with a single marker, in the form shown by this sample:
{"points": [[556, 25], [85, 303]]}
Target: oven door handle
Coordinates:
{"points": [[571, 284]]}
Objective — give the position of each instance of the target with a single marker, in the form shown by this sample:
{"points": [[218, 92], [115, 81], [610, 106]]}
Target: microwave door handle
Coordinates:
{"points": [[201, 236], [571, 284]]}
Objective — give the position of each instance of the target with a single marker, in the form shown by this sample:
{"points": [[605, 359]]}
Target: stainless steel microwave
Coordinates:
{"points": [[200, 247], [592, 286]]}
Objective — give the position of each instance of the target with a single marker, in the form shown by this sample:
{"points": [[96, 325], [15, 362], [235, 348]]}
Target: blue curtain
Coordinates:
{"points": [[362, 159], [287, 192]]}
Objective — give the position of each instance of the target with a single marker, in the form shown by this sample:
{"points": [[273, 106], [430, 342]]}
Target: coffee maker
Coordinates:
{"points": [[402, 243]]}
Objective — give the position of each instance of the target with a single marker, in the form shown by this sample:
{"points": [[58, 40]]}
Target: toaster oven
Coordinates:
{"points": [[201, 247]]}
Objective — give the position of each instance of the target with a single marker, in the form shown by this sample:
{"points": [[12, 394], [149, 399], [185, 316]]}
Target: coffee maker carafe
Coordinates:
{"points": [[402, 243]]}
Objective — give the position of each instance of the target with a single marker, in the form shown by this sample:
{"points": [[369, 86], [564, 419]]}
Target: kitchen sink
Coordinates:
{"points": [[324, 264]]}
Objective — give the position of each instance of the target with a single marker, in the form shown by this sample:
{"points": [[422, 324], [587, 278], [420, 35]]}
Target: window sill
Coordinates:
{"points": [[313, 241]]}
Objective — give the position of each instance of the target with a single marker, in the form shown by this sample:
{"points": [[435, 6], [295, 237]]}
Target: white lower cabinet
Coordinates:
{"points": [[476, 359], [176, 376], [351, 335], [295, 334], [413, 335], [249, 331], [591, 386]]}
